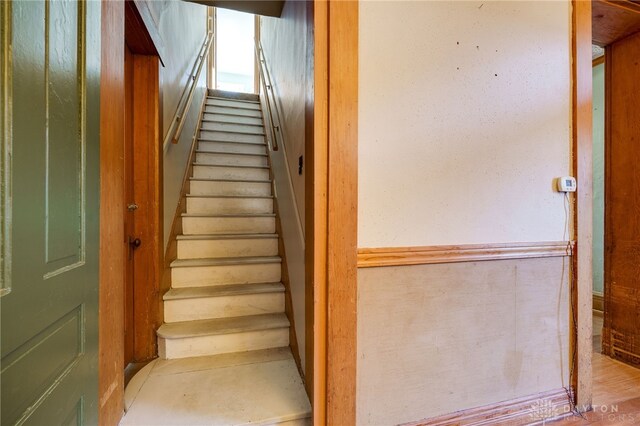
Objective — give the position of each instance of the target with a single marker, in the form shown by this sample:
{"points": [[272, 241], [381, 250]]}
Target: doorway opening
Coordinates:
{"points": [[616, 328], [142, 196], [235, 69]]}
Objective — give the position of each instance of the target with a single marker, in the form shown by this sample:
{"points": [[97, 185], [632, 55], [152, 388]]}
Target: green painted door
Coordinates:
{"points": [[50, 200]]}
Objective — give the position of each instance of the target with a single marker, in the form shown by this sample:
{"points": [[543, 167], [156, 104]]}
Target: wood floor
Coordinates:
{"points": [[616, 390]]}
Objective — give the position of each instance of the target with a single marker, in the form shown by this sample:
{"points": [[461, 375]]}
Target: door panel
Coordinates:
{"points": [[129, 321], [49, 316], [621, 332]]}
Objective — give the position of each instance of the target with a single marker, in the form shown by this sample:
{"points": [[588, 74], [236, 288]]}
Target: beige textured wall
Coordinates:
{"points": [[284, 43], [182, 27], [464, 122], [464, 116]]}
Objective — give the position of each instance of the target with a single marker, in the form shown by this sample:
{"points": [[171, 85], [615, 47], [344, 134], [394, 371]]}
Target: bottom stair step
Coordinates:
{"points": [[247, 388], [222, 335]]}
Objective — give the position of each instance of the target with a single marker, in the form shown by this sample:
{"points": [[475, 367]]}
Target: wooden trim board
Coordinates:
{"points": [[288, 303], [141, 31], [582, 150], [309, 192], [317, 209], [397, 256], [171, 252], [342, 216], [518, 411], [112, 246], [597, 61]]}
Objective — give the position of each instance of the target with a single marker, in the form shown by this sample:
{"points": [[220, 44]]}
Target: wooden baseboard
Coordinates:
{"points": [[530, 410], [598, 302], [171, 252], [398, 256], [624, 347]]}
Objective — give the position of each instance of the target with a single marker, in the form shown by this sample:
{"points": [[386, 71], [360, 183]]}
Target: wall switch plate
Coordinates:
{"points": [[566, 184]]}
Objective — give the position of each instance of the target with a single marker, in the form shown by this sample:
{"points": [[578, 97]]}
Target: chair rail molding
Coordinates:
{"points": [[421, 255]]}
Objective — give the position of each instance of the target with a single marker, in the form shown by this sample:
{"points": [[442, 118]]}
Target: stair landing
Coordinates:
{"points": [[257, 387]]}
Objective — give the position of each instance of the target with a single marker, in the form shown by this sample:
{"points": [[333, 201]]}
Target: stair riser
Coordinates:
{"points": [[234, 104], [203, 249], [230, 160], [203, 187], [228, 225], [224, 343], [205, 172], [232, 119], [232, 147], [232, 127], [202, 276], [233, 111], [231, 137], [308, 421], [223, 307], [229, 205]]}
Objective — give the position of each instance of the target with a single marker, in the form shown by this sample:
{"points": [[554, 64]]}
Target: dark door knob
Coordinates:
{"points": [[134, 242]]}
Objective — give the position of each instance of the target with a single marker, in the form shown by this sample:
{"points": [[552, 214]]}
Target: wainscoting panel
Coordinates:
{"points": [[439, 338]]}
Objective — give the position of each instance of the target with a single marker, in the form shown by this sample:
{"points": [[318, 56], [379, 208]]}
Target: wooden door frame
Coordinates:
{"points": [[582, 149], [112, 249], [113, 244], [334, 196], [332, 244], [140, 37], [148, 225]]}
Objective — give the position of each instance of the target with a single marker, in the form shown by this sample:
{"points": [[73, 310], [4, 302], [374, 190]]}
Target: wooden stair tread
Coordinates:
{"points": [[228, 196], [247, 215], [229, 94], [234, 142], [219, 326], [231, 180], [223, 261], [232, 99], [232, 131], [208, 120], [237, 105], [225, 237], [223, 290], [228, 114], [195, 163], [198, 151]]}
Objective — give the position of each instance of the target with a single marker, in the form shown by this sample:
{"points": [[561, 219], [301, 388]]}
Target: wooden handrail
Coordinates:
{"points": [[265, 79], [177, 124]]}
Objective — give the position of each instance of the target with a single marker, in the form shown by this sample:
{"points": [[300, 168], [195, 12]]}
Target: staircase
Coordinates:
{"points": [[225, 325]]}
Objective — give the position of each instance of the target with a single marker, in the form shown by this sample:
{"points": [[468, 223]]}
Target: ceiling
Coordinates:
{"points": [[613, 20], [260, 7]]}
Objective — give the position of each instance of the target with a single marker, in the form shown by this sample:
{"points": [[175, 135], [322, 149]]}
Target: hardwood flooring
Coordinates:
{"points": [[616, 390]]}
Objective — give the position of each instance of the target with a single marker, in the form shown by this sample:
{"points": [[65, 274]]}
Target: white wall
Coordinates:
{"points": [[284, 41], [182, 27], [463, 121]]}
